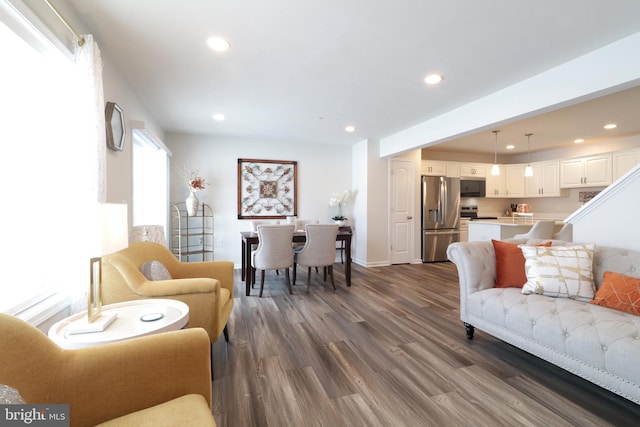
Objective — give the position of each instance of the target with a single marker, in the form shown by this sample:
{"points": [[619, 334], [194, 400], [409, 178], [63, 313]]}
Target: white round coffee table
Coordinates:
{"points": [[133, 319]]}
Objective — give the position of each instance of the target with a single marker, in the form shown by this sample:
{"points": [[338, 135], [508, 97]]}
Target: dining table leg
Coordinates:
{"points": [[347, 265], [244, 261], [248, 274]]}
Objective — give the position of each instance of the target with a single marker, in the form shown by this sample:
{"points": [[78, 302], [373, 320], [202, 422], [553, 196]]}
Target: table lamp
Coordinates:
{"points": [[112, 235]]}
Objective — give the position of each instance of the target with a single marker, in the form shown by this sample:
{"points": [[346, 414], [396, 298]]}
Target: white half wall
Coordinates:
{"points": [[611, 218]]}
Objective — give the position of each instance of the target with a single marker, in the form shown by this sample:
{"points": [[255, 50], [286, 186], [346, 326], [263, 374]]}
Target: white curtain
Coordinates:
{"points": [[87, 58]]}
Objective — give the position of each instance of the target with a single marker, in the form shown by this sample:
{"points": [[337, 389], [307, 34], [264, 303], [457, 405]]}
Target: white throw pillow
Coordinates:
{"points": [[155, 270], [560, 271]]}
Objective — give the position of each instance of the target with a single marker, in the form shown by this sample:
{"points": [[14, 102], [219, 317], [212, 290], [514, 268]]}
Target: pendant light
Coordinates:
{"points": [[528, 171], [495, 169]]}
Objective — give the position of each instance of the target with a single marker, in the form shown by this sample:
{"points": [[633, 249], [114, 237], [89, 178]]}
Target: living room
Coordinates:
{"points": [[357, 163]]}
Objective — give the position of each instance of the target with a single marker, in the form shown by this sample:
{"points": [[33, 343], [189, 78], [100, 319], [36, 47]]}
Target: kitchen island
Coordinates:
{"points": [[503, 228]]}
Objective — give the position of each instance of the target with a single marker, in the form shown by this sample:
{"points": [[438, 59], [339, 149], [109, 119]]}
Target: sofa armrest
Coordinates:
{"points": [[476, 263], [104, 382], [221, 270]]}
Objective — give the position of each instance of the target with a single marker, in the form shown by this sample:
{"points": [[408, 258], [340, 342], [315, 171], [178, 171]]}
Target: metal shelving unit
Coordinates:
{"points": [[192, 236]]}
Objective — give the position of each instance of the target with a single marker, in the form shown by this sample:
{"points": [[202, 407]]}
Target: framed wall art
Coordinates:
{"points": [[267, 189]]}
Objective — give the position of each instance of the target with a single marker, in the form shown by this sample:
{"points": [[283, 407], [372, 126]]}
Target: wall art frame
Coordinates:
{"points": [[267, 189], [115, 127]]}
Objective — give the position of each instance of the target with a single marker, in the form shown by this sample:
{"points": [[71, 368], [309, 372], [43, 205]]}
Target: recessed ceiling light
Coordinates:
{"points": [[510, 147], [350, 128], [219, 117], [610, 126], [218, 44], [433, 79], [578, 141]]}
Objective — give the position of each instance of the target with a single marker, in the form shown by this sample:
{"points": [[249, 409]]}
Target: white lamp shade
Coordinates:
{"points": [[528, 171], [495, 170], [112, 228]]}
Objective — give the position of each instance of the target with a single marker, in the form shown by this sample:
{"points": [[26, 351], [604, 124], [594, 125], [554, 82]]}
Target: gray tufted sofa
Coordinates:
{"points": [[597, 343]]}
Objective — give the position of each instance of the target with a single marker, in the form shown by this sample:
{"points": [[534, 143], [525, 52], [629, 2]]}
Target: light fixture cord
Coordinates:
{"points": [[528, 135], [495, 151]]}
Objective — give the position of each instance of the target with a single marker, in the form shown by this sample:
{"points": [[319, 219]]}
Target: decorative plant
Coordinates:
{"points": [[196, 182], [339, 200]]}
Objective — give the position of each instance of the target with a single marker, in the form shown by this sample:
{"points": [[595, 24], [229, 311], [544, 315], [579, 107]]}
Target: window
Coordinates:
{"points": [[47, 170], [150, 180]]}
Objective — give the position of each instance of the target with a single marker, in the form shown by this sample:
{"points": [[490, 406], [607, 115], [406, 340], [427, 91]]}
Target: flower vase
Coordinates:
{"points": [[192, 203], [340, 222]]}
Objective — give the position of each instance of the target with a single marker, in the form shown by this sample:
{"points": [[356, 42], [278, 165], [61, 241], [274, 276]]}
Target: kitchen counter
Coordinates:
{"points": [[503, 228]]}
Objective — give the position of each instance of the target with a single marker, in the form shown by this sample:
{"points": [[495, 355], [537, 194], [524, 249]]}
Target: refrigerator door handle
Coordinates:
{"points": [[443, 198]]}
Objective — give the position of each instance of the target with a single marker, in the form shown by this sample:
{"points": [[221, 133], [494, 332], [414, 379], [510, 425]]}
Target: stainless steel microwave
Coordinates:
{"points": [[472, 187]]}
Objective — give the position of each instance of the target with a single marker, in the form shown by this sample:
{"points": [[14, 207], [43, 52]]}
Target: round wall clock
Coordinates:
{"points": [[114, 118]]}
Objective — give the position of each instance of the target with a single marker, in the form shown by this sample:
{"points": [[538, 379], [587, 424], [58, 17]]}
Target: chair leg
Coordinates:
{"points": [[324, 274], [286, 274], [309, 279], [331, 274], [225, 331], [295, 269], [261, 282]]}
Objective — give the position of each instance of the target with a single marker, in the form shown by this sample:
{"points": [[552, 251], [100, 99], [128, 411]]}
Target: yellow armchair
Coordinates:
{"points": [[206, 287], [156, 380]]}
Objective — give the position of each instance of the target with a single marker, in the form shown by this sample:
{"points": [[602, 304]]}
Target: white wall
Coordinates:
{"points": [[323, 169], [120, 163]]}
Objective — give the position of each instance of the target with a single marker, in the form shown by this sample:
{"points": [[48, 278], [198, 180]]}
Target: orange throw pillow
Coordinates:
{"points": [[510, 264], [619, 292]]}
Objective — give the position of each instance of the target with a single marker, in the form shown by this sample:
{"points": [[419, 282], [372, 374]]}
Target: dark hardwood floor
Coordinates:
{"points": [[389, 351]]}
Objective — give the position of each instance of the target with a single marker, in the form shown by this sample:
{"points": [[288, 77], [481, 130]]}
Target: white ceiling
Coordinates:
{"points": [[301, 71]]}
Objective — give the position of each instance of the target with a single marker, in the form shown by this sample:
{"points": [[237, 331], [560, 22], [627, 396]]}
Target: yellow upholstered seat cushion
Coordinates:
{"points": [[189, 410]]}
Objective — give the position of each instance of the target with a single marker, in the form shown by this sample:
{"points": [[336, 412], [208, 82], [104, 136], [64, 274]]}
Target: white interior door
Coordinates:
{"points": [[402, 206]]}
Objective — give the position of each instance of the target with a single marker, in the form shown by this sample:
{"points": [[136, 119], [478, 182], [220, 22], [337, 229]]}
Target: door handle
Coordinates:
{"points": [[409, 217]]}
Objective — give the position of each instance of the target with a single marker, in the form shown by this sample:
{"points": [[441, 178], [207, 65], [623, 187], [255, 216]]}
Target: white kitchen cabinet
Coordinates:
{"points": [[510, 182], [473, 170], [434, 168], [545, 181], [439, 168], [514, 180], [594, 171], [624, 161], [496, 184]]}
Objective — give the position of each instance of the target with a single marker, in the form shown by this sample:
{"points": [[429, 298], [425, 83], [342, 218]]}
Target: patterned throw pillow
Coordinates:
{"points": [[619, 292], [560, 271], [510, 264], [155, 270], [10, 396]]}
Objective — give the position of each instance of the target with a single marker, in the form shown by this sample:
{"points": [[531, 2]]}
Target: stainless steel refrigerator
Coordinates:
{"points": [[440, 216]]}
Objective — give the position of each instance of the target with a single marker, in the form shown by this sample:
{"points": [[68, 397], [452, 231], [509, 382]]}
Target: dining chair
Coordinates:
{"points": [[541, 230], [274, 251], [319, 251]]}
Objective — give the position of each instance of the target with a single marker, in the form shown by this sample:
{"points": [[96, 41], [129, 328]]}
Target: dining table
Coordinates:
{"points": [[250, 239]]}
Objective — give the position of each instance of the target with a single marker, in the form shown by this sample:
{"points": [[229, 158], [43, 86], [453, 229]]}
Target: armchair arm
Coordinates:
{"points": [[165, 288], [104, 382]]}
